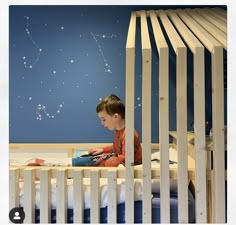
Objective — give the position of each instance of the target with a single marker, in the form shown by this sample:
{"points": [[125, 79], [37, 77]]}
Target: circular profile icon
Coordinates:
{"points": [[17, 215]]}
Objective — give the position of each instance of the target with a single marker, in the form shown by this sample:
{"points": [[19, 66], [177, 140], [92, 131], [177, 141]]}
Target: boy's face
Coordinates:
{"points": [[108, 121]]}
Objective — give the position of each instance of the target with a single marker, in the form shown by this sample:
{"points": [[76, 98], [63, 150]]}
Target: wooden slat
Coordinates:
{"points": [[199, 129], [176, 41], [138, 172], [208, 41], [209, 199], [56, 146], [29, 195], [78, 196], [218, 116], [218, 135], [14, 199], [62, 196], [181, 97], [220, 11], [184, 31], [146, 119], [199, 115], [213, 11], [163, 52], [71, 147], [112, 201], [45, 196], [94, 197], [213, 30], [70, 152], [213, 19], [129, 121]]}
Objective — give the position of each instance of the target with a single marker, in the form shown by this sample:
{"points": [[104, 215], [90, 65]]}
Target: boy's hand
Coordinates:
{"points": [[95, 151]]}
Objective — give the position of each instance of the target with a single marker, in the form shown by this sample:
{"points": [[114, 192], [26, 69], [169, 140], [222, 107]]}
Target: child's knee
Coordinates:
{"points": [[113, 161]]}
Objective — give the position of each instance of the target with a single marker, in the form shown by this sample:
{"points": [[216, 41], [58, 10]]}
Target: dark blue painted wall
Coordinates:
{"points": [[63, 60]]}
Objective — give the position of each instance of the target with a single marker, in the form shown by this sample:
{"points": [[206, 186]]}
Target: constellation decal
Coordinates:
{"points": [[41, 109], [34, 43], [95, 36], [139, 104]]}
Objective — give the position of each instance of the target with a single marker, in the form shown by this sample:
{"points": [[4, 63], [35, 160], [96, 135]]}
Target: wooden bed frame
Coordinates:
{"points": [[193, 29]]}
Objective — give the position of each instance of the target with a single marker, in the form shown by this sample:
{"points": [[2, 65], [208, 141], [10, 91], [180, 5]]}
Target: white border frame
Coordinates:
{"points": [[4, 86]]}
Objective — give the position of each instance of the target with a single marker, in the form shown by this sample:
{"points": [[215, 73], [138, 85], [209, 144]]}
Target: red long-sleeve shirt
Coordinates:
{"points": [[119, 148]]}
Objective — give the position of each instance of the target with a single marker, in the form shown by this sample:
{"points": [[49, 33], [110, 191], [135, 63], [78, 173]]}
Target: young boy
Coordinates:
{"points": [[111, 111]]}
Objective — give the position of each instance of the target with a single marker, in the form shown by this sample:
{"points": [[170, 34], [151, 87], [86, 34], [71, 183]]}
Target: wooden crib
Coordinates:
{"points": [[193, 29]]}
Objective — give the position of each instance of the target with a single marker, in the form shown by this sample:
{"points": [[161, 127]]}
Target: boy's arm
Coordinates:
{"points": [[96, 151], [120, 159], [137, 150], [108, 149]]}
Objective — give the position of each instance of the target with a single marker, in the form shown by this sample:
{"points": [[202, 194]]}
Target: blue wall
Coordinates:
{"points": [[63, 60]]}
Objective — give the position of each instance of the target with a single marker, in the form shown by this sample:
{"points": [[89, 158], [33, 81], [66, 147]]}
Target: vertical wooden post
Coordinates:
{"points": [[181, 83], [163, 52], [216, 50], [112, 202], [146, 119], [14, 200], [78, 196], [181, 98], [129, 121], [95, 196], [29, 195], [45, 195], [62, 195], [218, 135], [199, 115]]}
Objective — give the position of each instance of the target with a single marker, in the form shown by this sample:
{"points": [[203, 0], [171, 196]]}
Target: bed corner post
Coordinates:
{"points": [[129, 120]]}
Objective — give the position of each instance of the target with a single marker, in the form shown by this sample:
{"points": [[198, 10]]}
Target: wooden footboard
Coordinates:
{"points": [[45, 174]]}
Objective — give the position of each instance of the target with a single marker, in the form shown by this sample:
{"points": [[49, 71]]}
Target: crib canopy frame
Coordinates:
{"points": [[195, 29]]}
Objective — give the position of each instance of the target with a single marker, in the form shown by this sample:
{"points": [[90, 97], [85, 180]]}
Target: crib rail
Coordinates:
{"points": [[103, 172], [45, 174], [50, 149]]}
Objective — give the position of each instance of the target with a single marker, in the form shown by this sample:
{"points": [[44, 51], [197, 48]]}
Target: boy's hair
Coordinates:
{"points": [[112, 104]]}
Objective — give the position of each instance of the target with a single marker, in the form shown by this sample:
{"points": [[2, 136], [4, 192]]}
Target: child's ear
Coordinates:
{"points": [[116, 115]]}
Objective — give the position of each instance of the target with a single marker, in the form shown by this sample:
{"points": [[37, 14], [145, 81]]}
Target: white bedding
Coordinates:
{"points": [[103, 191], [86, 185]]}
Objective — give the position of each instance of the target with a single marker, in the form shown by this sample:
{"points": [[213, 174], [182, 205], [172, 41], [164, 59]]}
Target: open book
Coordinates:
{"points": [[79, 153]]}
